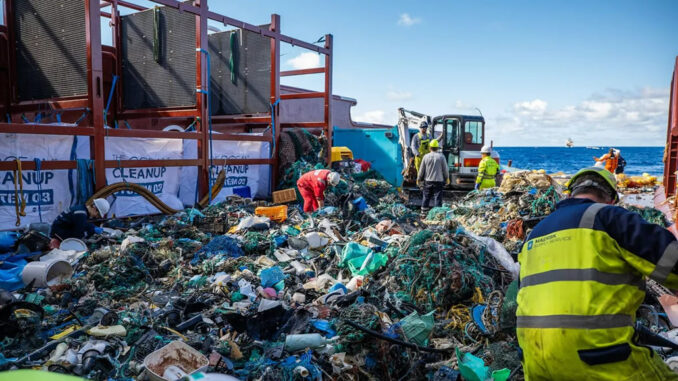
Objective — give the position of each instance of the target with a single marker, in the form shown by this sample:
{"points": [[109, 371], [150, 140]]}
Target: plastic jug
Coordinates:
{"points": [[305, 340]]}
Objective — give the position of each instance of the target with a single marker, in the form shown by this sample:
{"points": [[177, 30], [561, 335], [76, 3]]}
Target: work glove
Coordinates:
{"points": [[476, 186], [98, 230], [448, 182]]}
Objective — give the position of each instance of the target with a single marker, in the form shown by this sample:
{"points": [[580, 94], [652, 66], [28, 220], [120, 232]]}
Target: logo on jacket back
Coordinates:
{"points": [[529, 245]]}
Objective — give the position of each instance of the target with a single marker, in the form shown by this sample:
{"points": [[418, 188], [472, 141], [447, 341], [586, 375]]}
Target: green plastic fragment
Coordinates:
{"points": [[236, 296], [501, 374], [417, 328], [472, 368], [291, 230], [360, 259]]}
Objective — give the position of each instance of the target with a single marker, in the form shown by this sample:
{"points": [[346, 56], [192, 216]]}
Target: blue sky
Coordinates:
{"points": [[596, 71]]}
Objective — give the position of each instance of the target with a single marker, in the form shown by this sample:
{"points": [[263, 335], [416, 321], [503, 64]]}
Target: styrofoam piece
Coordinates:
{"points": [[48, 273], [73, 244], [130, 240], [176, 354]]}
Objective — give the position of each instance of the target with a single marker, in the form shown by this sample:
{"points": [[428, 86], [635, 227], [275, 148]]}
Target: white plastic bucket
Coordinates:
{"points": [[177, 354], [73, 244], [46, 274]]}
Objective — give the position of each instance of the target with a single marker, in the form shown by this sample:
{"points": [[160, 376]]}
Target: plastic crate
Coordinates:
{"points": [[285, 195], [275, 213]]}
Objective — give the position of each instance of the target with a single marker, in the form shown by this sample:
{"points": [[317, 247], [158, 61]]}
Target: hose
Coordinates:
{"points": [[152, 198], [138, 189], [216, 188], [396, 341], [19, 188]]}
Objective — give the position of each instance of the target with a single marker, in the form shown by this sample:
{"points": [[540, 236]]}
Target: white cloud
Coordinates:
{"points": [[305, 60], [529, 107], [612, 117], [394, 95], [374, 116], [407, 20]]}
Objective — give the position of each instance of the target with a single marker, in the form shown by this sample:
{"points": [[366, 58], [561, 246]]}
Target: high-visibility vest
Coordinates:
{"points": [[424, 141], [581, 282]]}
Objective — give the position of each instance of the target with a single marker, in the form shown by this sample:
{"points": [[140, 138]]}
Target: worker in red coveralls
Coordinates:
{"points": [[312, 187]]}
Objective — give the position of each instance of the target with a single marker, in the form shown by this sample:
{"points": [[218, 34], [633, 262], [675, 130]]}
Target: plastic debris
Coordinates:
{"points": [[362, 289]]}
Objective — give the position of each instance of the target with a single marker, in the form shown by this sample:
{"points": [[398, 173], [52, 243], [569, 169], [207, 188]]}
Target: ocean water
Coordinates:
{"points": [[639, 160]]}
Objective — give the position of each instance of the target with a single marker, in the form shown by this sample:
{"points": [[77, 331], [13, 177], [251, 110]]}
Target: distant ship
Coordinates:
{"points": [[569, 143]]}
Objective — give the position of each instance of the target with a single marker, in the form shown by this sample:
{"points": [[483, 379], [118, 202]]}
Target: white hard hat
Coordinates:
{"points": [[333, 178], [486, 149], [102, 206]]}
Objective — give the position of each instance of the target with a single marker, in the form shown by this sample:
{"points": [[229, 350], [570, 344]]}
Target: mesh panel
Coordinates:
{"points": [[51, 48], [249, 91], [169, 81]]}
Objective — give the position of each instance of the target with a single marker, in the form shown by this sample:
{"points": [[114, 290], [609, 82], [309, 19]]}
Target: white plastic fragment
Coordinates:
{"points": [[499, 253]]}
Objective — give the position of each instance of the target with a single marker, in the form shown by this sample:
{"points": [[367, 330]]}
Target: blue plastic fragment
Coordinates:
{"points": [[280, 240], [219, 245], [325, 327], [477, 313], [338, 286], [271, 276]]}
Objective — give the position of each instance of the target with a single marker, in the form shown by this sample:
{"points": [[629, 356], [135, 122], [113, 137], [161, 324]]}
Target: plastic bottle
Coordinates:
{"points": [[306, 340]]}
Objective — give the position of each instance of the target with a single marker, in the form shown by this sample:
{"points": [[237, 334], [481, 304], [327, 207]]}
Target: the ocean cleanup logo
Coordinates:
{"points": [[151, 178], [236, 175], [529, 245], [31, 179]]}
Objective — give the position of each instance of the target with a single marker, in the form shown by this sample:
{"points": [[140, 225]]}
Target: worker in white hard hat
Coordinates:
{"points": [[74, 223], [487, 170], [312, 187]]}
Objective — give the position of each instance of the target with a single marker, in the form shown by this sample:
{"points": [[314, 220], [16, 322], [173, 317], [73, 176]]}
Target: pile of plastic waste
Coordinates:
{"points": [[357, 290], [361, 289], [506, 213]]}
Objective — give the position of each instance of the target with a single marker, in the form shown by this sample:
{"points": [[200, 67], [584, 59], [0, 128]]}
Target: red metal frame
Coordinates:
{"points": [[671, 149], [97, 79]]}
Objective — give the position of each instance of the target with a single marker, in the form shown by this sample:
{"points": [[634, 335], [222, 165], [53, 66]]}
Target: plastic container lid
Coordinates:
{"points": [[73, 244]]}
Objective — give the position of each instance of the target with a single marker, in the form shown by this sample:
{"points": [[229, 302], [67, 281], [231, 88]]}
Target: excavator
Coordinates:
{"points": [[460, 137]]}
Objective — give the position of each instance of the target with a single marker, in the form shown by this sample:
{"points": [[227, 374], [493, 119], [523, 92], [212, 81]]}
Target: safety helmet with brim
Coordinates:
{"points": [[333, 178], [434, 144], [423, 125], [608, 181]]}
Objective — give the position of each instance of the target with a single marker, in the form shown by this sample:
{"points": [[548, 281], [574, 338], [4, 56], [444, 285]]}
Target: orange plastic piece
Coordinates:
{"points": [[275, 213]]}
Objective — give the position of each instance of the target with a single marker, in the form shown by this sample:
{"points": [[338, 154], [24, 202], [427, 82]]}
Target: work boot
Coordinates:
{"points": [[424, 213]]}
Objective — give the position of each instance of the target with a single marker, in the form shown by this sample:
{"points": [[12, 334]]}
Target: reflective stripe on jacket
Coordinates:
{"points": [[580, 286]]}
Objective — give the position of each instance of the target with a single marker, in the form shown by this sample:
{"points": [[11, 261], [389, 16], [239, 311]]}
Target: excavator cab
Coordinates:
{"points": [[461, 138]]}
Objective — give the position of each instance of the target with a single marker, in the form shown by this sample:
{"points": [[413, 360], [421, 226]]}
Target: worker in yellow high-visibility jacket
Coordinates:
{"points": [[581, 283], [420, 144], [487, 170]]}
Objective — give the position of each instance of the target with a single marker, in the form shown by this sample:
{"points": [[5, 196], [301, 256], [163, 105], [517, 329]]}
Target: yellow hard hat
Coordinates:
{"points": [[434, 144], [602, 173]]}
